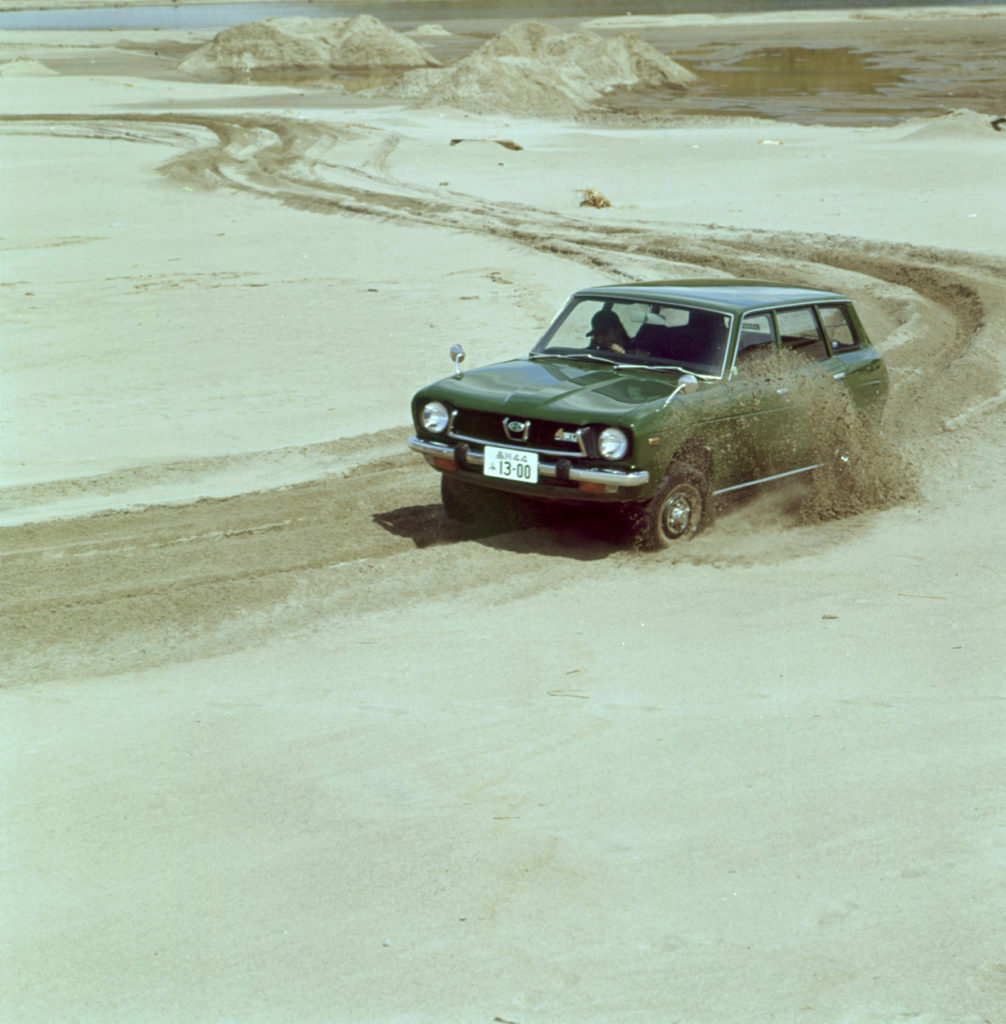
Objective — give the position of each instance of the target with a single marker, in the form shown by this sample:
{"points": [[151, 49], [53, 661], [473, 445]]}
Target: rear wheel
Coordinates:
{"points": [[679, 509]]}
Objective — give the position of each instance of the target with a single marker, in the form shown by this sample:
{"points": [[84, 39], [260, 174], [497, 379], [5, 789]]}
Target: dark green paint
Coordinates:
{"points": [[737, 430]]}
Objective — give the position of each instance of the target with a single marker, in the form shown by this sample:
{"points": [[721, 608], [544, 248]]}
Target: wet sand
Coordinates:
{"points": [[281, 743]]}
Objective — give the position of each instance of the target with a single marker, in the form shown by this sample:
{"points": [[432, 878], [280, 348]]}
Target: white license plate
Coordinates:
{"points": [[508, 464]]}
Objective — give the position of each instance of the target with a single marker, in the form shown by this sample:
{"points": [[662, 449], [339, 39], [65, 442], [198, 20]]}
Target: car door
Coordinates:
{"points": [[758, 404], [809, 385], [853, 361]]}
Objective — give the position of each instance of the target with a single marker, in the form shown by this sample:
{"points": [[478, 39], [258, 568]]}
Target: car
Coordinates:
{"points": [[656, 397]]}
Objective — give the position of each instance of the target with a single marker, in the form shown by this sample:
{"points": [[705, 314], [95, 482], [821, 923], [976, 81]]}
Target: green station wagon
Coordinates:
{"points": [[655, 396]]}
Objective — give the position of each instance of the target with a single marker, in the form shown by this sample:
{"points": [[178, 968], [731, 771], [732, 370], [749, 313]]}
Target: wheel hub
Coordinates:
{"points": [[677, 514]]}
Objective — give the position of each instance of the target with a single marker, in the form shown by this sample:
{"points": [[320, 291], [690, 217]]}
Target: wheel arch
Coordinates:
{"points": [[696, 453]]}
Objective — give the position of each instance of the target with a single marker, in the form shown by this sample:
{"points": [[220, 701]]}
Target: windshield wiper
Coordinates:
{"points": [[590, 356], [681, 370], [667, 366], [608, 361]]}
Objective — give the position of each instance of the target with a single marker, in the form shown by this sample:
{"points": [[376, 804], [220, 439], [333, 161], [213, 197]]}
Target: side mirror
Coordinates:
{"points": [[458, 355], [687, 382]]}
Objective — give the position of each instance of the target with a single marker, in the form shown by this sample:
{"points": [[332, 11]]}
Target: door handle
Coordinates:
{"points": [[840, 375], [782, 391]]}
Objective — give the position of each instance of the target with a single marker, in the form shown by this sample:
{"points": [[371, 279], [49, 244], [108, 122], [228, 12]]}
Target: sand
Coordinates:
{"points": [[281, 743], [294, 45], [535, 69]]}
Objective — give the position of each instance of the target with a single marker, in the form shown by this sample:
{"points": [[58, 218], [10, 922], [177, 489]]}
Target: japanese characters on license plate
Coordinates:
{"points": [[509, 464]]}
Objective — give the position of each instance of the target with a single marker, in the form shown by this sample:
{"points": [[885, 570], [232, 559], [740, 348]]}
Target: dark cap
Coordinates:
{"points": [[603, 320]]}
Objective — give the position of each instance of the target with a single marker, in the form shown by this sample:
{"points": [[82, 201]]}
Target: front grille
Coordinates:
{"points": [[487, 428]]}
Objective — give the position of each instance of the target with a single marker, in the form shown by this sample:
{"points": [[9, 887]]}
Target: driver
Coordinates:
{"points": [[606, 332]]}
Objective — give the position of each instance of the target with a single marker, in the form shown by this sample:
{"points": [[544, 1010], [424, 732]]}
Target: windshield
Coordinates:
{"points": [[640, 333]]}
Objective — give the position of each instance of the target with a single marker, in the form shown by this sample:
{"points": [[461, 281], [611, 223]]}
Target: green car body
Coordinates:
{"points": [[657, 396]]}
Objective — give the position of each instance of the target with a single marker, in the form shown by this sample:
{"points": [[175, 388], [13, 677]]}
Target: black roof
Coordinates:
{"points": [[721, 294]]}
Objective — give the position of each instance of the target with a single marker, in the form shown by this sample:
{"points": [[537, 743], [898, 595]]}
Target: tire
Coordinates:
{"points": [[680, 508], [459, 499], [469, 503]]}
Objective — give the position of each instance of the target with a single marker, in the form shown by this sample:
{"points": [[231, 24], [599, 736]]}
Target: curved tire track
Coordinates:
{"points": [[128, 589]]}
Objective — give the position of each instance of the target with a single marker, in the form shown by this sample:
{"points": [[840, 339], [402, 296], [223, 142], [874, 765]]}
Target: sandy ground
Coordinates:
{"points": [[280, 743]]}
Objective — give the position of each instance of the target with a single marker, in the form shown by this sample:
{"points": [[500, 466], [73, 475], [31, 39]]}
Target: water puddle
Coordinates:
{"points": [[799, 69], [832, 84], [185, 16], [190, 16]]}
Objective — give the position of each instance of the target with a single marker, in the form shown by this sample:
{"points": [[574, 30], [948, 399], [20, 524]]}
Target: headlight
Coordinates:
{"points": [[612, 444], [435, 417]]}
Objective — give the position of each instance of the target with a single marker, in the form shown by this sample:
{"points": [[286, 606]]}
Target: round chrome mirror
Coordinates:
{"points": [[687, 382], [458, 355]]}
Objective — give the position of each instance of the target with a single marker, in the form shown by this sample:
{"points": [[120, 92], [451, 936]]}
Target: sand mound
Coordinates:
{"points": [[430, 30], [26, 67], [956, 123], [306, 44], [538, 70]]}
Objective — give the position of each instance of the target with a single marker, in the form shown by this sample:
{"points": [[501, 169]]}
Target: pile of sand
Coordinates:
{"points": [[279, 45], [25, 67], [962, 123], [538, 70], [430, 30]]}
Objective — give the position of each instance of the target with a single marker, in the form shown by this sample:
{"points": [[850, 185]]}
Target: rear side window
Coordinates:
{"points": [[839, 330], [800, 333]]}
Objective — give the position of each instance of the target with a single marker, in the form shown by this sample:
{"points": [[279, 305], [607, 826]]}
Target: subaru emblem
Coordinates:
{"points": [[516, 430]]}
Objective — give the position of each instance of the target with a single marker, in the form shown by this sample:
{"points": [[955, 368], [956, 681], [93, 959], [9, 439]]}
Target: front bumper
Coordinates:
{"points": [[562, 469]]}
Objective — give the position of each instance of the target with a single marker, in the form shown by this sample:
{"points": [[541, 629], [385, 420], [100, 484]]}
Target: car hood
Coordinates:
{"points": [[563, 390]]}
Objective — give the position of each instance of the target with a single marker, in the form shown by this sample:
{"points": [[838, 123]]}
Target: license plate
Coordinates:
{"points": [[509, 464]]}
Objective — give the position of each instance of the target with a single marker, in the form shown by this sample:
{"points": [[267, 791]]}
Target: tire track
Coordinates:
{"points": [[130, 589], [87, 593], [324, 168]]}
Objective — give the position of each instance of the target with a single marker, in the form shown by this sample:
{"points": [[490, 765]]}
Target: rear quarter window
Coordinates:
{"points": [[838, 328]]}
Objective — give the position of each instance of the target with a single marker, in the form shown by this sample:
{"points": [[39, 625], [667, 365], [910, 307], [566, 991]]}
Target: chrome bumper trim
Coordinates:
{"points": [[612, 477]]}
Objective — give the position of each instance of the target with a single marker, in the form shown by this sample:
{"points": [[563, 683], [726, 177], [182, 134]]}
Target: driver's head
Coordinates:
{"points": [[606, 329]]}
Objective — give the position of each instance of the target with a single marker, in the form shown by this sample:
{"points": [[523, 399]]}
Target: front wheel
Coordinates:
{"points": [[463, 502], [468, 503], [679, 509]]}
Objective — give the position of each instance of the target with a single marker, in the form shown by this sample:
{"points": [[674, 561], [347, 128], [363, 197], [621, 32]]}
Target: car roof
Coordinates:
{"points": [[721, 294]]}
